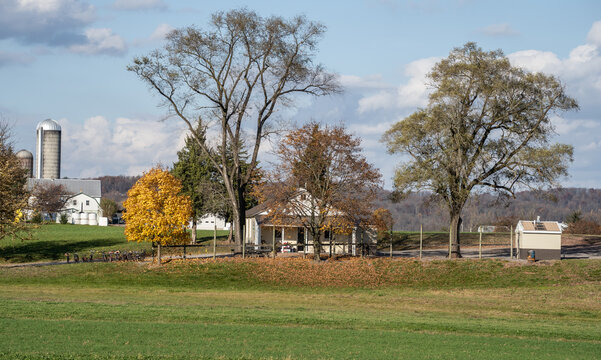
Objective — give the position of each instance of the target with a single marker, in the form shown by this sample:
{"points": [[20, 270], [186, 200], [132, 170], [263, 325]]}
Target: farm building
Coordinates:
{"points": [[83, 203], [544, 237], [292, 236], [212, 221]]}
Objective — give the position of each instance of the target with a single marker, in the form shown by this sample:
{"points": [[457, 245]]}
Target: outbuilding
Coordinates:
{"points": [[544, 237]]}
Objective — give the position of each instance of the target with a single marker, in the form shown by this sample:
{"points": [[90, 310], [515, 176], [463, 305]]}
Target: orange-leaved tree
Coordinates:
{"points": [[383, 221], [156, 210], [322, 182]]}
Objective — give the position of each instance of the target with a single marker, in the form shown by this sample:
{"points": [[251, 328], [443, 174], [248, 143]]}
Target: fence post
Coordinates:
{"points": [[511, 242], [391, 225], [421, 239], [184, 251], [214, 241], [480, 245], [450, 241]]}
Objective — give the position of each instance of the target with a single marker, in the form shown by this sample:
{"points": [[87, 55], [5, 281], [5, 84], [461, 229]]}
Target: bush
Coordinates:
{"points": [[586, 227], [64, 219], [36, 218]]}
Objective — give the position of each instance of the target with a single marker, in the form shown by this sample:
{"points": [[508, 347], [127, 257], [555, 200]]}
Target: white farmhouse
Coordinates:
{"points": [[83, 203]]}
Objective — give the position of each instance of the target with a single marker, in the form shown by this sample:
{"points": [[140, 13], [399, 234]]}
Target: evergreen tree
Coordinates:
{"points": [[201, 181]]}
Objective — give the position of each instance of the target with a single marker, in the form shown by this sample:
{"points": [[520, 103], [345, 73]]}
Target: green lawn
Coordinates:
{"points": [[405, 240], [52, 241], [234, 309]]}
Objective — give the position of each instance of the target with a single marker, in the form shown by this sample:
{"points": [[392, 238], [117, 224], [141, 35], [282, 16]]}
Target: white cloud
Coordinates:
{"points": [[371, 81], [161, 32], [50, 22], [412, 94], [535, 60], [568, 126], [371, 129], [592, 146], [139, 4], [499, 30], [125, 146], [594, 35], [101, 41]]}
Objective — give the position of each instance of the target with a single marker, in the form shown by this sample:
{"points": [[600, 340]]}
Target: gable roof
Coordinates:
{"points": [[256, 210], [74, 186]]}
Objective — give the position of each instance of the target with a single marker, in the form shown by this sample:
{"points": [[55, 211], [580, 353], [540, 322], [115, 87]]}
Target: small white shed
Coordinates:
{"points": [[544, 237]]}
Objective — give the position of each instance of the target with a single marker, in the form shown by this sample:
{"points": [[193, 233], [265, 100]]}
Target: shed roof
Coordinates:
{"points": [[74, 186], [540, 226]]}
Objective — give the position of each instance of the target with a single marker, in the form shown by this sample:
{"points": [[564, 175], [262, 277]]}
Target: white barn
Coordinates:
{"points": [[83, 203]]}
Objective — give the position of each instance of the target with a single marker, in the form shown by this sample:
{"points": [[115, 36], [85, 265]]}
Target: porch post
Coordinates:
{"points": [[258, 234], [354, 241], [273, 243]]}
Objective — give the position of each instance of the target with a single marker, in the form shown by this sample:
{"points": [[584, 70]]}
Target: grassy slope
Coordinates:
{"points": [[234, 309], [52, 241]]}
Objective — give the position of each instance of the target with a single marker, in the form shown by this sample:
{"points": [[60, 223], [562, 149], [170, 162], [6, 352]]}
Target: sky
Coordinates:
{"points": [[67, 59]]}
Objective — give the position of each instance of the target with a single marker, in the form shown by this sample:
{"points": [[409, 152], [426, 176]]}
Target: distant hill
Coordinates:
{"points": [[116, 187], [486, 209]]}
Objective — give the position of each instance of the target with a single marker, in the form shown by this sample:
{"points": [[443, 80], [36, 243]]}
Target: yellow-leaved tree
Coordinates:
{"points": [[156, 210]]}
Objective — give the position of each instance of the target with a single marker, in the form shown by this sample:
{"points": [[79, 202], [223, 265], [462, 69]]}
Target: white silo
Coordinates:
{"points": [[26, 161], [48, 150]]}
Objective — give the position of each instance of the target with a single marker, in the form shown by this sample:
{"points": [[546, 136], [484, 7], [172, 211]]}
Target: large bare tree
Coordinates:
{"points": [[487, 127], [234, 76]]}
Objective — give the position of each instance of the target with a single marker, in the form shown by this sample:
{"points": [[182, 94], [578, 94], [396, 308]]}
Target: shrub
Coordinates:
{"points": [[587, 227], [64, 218], [36, 218]]}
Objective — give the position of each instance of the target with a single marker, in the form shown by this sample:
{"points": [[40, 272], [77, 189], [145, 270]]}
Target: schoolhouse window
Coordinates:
{"points": [[87, 202], [74, 202]]}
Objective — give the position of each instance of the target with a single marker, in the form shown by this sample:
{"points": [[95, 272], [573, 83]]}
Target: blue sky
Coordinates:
{"points": [[66, 60]]}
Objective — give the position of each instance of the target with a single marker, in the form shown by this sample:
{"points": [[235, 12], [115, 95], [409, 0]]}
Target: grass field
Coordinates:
{"points": [[52, 241], [298, 309], [405, 240]]}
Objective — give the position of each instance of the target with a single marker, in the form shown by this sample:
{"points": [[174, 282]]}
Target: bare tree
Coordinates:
{"points": [[235, 75], [49, 198]]}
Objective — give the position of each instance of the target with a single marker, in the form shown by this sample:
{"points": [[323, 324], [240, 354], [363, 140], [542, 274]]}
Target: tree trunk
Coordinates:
{"points": [[239, 215], [455, 229], [193, 233], [316, 247], [159, 253]]}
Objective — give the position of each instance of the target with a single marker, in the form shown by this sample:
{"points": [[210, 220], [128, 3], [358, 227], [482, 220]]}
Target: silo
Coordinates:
{"points": [[48, 150], [26, 161]]}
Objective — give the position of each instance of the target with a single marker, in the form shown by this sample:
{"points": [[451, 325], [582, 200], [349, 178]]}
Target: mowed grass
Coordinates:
{"points": [[51, 241], [409, 240], [294, 309]]}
